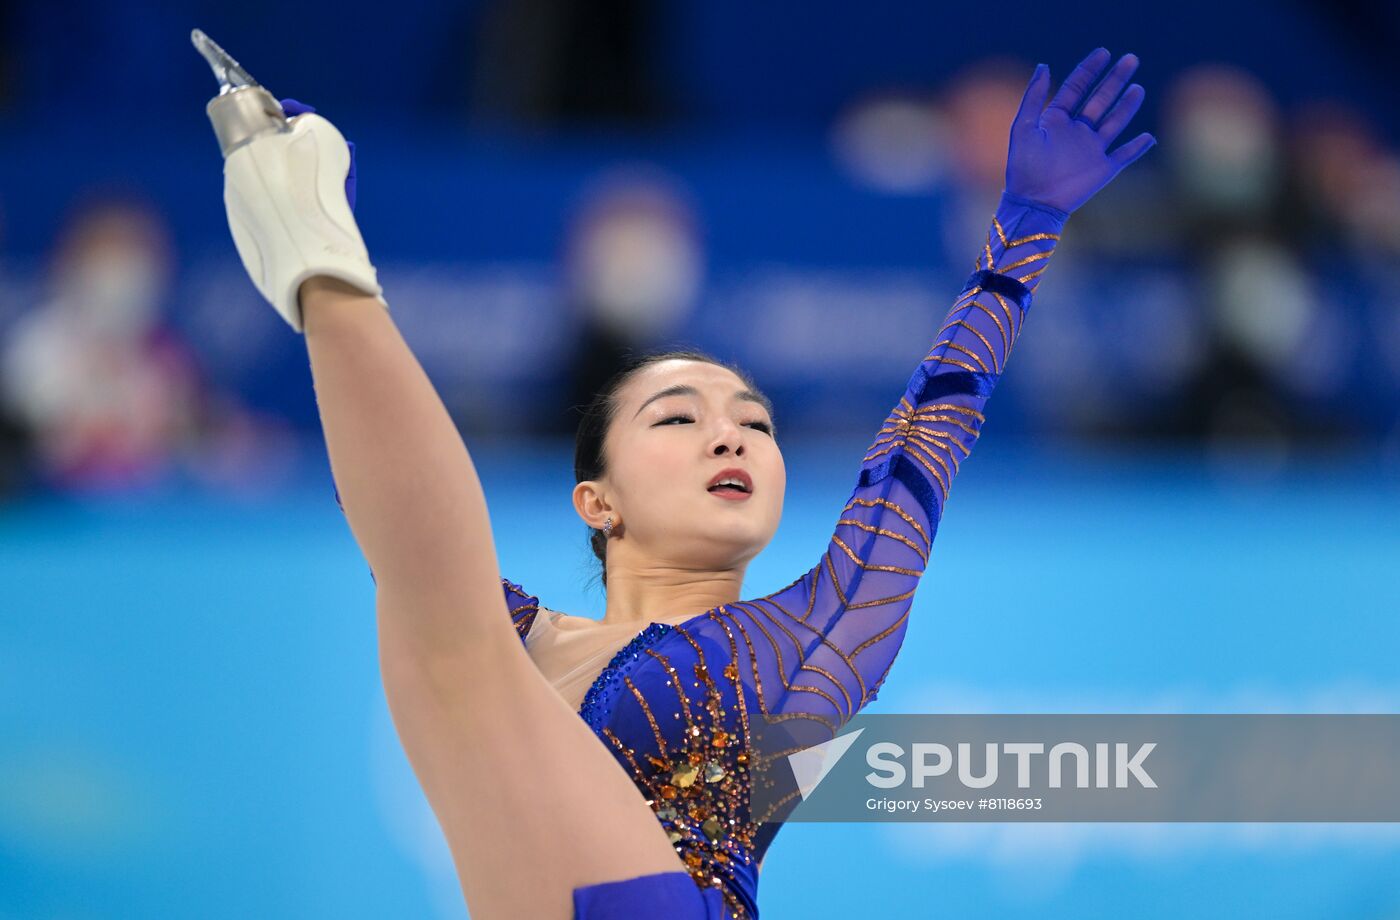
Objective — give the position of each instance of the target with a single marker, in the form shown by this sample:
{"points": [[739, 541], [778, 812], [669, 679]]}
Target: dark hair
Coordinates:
{"points": [[590, 461]]}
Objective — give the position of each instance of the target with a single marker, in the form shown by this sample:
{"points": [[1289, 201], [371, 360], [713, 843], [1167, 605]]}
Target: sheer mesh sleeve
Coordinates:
{"points": [[820, 648]]}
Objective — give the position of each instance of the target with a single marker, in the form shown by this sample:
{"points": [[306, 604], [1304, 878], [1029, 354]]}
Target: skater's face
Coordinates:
{"points": [[679, 423]]}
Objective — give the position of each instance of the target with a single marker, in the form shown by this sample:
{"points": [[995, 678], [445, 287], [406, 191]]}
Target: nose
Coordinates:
{"points": [[729, 438]]}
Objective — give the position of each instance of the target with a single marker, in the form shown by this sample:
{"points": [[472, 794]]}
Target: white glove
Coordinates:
{"points": [[285, 196]]}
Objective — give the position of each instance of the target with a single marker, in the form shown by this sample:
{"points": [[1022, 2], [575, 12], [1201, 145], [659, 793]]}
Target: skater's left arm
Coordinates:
{"points": [[821, 647]]}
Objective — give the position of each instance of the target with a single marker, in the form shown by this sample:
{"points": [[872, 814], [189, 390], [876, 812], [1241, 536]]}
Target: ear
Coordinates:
{"points": [[591, 506]]}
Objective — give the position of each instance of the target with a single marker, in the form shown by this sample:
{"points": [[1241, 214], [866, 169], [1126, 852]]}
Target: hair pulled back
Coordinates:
{"points": [[590, 460]]}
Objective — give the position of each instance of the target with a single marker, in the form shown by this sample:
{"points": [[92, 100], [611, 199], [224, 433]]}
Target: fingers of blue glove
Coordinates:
{"points": [[1033, 102], [1077, 84], [294, 108], [350, 176], [1127, 154], [1122, 112], [1106, 93]]}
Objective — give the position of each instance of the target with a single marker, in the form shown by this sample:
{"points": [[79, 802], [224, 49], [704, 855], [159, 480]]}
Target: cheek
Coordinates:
{"points": [[648, 479]]}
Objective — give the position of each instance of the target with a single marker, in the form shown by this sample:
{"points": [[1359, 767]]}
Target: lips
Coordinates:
{"points": [[732, 473]]}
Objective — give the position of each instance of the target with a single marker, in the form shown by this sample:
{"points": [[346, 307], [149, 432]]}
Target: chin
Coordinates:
{"points": [[745, 537]]}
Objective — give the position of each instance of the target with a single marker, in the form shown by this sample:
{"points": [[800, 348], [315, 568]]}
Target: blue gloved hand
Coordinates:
{"points": [[294, 108], [1059, 154]]}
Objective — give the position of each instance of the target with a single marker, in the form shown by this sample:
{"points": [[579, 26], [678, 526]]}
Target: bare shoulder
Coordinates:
{"points": [[567, 620], [561, 617]]}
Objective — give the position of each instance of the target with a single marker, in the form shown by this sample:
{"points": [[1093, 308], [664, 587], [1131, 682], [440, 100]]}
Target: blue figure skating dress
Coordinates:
{"points": [[677, 703]]}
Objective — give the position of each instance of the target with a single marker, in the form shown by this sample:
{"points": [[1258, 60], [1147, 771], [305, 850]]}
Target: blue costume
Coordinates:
{"points": [[675, 705]]}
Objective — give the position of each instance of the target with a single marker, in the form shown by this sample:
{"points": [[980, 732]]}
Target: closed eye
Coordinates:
{"points": [[761, 426]]}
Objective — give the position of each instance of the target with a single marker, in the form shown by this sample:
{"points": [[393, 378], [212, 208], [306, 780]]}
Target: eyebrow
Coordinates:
{"points": [[685, 389]]}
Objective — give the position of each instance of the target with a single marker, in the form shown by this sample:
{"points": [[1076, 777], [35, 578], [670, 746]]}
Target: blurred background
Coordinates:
{"points": [[1188, 482]]}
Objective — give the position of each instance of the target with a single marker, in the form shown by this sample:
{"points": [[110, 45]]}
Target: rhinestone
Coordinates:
{"points": [[712, 828], [669, 792], [713, 772], [685, 776]]}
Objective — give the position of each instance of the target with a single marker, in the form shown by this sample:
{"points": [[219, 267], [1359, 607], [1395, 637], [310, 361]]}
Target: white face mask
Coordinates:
{"points": [[115, 290]]}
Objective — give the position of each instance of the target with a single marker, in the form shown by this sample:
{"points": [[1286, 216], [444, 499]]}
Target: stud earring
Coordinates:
{"points": [[607, 527]]}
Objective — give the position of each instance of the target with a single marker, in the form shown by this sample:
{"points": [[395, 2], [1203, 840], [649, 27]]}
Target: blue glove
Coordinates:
{"points": [[1059, 154], [294, 108]]}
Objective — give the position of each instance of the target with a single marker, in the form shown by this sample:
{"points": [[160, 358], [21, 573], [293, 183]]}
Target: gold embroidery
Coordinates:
{"points": [[1012, 244], [681, 696], [880, 602], [919, 450], [855, 672], [835, 582], [804, 665], [932, 472], [1005, 341], [871, 566], [876, 638], [651, 720], [1015, 326], [886, 503], [973, 329], [781, 672], [954, 361], [871, 528], [976, 357]]}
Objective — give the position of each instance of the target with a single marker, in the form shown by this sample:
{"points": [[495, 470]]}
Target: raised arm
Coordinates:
{"points": [[404, 477], [819, 649]]}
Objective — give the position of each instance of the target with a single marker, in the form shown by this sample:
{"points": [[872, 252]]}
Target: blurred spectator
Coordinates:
{"points": [[109, 396], [634, 267], [1348, 184], [894, 142], [1270, 332], [561, 62]]}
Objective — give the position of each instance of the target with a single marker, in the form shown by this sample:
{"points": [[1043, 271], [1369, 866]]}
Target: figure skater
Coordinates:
{"points": [[601, 769]]}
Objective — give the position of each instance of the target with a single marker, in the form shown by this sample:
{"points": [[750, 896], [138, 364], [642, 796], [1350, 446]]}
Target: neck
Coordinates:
{"points": [[643, 594]]}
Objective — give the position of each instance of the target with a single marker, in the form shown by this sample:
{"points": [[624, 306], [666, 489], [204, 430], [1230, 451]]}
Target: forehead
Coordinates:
{"points": [[702, 375]]}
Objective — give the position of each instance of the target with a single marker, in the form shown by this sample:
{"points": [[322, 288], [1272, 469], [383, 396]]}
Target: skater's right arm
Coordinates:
{"points": [[406, 482]]}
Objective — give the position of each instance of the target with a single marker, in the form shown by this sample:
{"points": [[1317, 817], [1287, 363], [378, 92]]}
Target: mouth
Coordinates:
{"points": [[732, 485]]}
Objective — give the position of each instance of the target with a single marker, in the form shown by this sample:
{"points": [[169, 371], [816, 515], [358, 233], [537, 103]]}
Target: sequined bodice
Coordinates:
{"points": [[676, 704]]}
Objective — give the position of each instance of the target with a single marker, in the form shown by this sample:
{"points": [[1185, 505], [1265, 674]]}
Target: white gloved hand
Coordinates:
{"points": [[285, 197]]}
